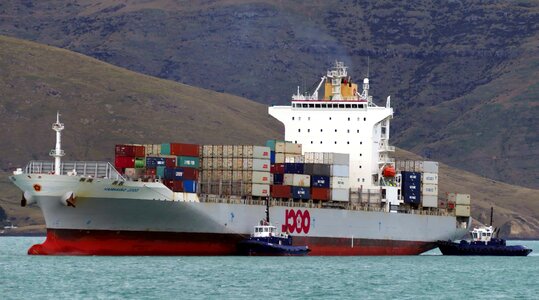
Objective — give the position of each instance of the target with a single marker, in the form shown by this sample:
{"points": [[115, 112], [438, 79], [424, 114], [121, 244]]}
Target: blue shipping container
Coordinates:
{"points": [[174, 173], [293, 168], [152, 162], [410, 187], [320, 181], [190, 186], [414, 177], [414, 198], [165, 148], [303, 193], [278, 179], [272, 157]]}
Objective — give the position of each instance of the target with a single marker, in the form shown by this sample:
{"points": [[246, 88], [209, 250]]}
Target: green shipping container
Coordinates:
{"points": [[165, 148], [140, 162], [271, 144], [160, 172], [188, 161]]}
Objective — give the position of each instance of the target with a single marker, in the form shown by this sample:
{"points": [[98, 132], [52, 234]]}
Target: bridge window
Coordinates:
{"points": [[348, 106], [311, 105], [348, 119], [354, 105], [292, 118], [335, 130], [323, 106], [364, 119], [304, 105], [341, 105], [299, 130], [348, 143], [308, 130], [317, 105]]}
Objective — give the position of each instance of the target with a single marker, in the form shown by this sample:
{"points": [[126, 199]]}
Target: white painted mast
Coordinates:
{"points": [[57, 153]]}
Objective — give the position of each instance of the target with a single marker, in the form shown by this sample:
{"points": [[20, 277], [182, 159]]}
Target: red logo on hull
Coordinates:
{"points": [[296, 221]]}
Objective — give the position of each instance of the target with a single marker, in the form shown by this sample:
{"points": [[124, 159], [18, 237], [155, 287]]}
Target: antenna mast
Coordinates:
{"points": [[57, 153]]}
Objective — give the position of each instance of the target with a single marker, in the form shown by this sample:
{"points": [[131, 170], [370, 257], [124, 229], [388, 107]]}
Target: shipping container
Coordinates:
{"points": [[165, 148], [150, 172], [429, 178], [177, 186], [340, 170], [228, 151], [160, 171], [430, 167], [293, 168], [278, 179], [277, 169], [217, 150], [237, 163], [256, 164], [429, 189], [320, 181], [429, 201], [140, 162], [292, 148], [121, 162], [130, 150], [297, 180], [152, 162], [237, 175], [293, 158], [188, 161], [190, 173], [180, 149], [412, 177], [207, 150], [279, 158], [451, 198], [462, 199], [190, 186], [336, 158], [299, 192], [411, 187], [281, 191], [340, 195], [227, 176], [228, 163], [133, 173], [276, 145], [256, 189], [256, 177], [339, 182], [442, 203], [317, 169], [462, 210], [318, 193], [413, 198]]}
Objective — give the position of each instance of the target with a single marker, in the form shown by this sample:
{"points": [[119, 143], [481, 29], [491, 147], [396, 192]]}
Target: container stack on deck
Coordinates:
{"points": [[420, 183], [240, 170], [461, 202], [329, 175]]}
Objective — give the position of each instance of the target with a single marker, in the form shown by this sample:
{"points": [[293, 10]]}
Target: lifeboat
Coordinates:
{"points": [[389, 171]]}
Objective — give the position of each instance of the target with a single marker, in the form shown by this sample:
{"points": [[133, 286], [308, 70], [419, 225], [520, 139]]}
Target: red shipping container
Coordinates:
{"points": [[177, 186], [190, 173], [151, 171], [280, 191], [184, 149], [169, 183], [318, 193], [124, 162], [129, 150], [170, 162], [277, 169]]}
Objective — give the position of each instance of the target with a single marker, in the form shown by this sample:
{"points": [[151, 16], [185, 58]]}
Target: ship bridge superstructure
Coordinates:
{"points": [[343, 121]]}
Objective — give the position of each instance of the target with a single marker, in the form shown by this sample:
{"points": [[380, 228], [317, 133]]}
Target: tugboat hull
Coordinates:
{"points": [[451, 248]]}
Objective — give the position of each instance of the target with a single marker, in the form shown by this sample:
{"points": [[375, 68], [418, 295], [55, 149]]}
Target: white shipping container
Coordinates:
{"points": [[280, 147], [227, 163], [237, 175], [297, 180], [227, 176], [237, 163], [336, 158], [293, 158], [429, 178], [217, 163], [238, 150], [292, 148], [279, 158], [261, 177], [217, 151], [462, 210], [228, 151], [429, 201], [339, 182], [261, 190], [430, 167], [340, 170], [206, 163], [256, 164], [451, 197], [261, 152], [340, 195], [429, 189], [207, 150], [463, 199]]}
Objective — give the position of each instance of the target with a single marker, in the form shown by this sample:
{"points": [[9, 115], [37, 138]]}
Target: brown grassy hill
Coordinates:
{"points": [[455, 69], [103, 105]]}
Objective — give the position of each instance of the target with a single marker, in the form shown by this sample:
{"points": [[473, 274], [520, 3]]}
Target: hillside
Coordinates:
{"points": [[463, 75]]}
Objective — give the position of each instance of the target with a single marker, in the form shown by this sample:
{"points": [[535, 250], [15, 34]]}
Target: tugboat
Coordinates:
{"points": [[266, 241], [483, 243]]}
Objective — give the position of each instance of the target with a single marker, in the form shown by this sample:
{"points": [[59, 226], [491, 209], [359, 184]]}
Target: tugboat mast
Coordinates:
{"points": [[57, 153]]}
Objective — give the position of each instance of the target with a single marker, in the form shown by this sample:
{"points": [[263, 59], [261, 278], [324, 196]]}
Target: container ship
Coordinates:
{"points": [[330, 183]]}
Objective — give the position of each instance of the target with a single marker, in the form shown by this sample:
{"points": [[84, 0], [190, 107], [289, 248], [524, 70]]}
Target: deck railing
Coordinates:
{"points": [[95, 169]]}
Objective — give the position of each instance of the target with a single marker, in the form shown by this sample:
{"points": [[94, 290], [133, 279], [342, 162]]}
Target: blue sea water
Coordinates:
{"points": [[429, 276]]}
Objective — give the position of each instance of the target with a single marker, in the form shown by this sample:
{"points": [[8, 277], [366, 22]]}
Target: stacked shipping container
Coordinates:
{"points": [[241, 170]]}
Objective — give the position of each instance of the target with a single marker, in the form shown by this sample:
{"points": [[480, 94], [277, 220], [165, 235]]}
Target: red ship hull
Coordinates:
{"points": [[105, 242]]}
